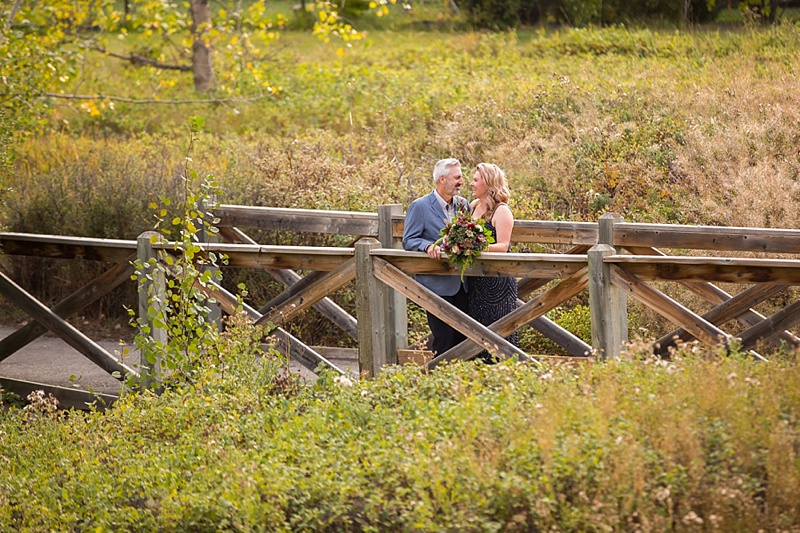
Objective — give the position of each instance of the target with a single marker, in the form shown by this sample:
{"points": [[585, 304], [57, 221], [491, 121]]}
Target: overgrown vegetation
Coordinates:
{"points": [[696, 127], [690, 126], [696, 443]]}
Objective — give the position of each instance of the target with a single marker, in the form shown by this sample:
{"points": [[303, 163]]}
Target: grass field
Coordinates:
{"points": [[660, 125], [696, 125]]}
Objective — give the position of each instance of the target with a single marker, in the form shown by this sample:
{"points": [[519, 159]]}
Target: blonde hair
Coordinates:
{"points": [[496, 185]]}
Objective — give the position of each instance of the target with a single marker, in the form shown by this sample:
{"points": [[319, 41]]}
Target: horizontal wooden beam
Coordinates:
{"points": [[60, 247], [545, 266], [280, 257], [720, 269], [298, 220], [721, 238], [67, 397]]}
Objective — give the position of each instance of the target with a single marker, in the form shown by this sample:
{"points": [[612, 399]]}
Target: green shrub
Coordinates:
{"points": [[494, 14], [471, 447]]}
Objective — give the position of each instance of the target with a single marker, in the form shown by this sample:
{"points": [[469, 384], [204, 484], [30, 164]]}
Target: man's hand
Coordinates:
{"points": [[434, 251]]}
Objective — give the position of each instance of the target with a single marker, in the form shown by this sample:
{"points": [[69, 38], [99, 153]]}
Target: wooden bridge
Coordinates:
{"points": [[612, 260]]}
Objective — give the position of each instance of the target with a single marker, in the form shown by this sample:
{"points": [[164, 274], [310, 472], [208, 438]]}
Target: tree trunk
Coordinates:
{"points": [[201, 50]]}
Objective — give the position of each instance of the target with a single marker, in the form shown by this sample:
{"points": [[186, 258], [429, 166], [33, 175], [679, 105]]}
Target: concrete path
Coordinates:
{"points": [[51, 361]]}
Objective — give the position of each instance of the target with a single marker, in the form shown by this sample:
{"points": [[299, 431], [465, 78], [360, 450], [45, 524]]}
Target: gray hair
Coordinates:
{"points": [[443, 166]]}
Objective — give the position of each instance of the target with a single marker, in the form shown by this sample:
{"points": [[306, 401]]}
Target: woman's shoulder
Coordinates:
{"points": [[502, 207]]}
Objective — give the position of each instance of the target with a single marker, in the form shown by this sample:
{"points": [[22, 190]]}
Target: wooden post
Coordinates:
{"points": [[604, 304], [605, 235], [152, 294], [398, 307], [371, 310]]}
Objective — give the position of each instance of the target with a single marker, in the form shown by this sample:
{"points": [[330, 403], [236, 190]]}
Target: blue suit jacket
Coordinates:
{"points": [[425, 218]]}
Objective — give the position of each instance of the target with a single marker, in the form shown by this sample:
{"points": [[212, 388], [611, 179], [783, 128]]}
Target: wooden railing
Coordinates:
{"points": [[612, 259]]}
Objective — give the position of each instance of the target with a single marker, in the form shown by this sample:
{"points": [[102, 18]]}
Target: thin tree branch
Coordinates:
{"points": [[152, 100], [14, 10], [140, 61]]}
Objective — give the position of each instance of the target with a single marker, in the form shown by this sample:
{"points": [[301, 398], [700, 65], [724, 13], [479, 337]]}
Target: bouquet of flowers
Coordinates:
{"points": [[464, 238]]}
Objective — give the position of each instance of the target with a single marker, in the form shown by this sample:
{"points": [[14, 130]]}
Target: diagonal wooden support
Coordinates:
{"points": [[468, 326], [89, 293], [66, 331], [286, 343], [730, 308], [670, 309], [292, 289], [327, 307], [313, 293], [524, 314], [771, 327], [747, 317]]}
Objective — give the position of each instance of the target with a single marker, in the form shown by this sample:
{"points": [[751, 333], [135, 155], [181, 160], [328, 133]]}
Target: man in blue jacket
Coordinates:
{"points": [[425, 218]]}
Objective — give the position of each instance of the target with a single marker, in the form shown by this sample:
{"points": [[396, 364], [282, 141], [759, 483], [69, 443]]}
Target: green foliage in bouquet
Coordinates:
{"points": [[464, 238]]}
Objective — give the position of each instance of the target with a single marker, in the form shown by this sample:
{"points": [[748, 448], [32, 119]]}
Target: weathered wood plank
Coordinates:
{"points": [[545, 266], [372, 304], [152, 293], [571, 343], [536, 231], [717, 296], [66, 331], [771, 326], [89, 293], [314, 292], [327, 307], [397, 311], [337, 352], [468, 326], [722, 238], [298, 220], [731, 308], [57, 246], [668, 308], [280, 257], [554, 232], [604, 305], [526, 314], [67, 397], [720, 269], [284, 342]]}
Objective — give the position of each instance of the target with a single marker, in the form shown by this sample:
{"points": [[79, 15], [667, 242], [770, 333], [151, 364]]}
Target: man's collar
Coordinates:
{"points": [[440, 199]]}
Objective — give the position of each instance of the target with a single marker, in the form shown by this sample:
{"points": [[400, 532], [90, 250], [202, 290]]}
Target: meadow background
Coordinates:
{"points": [[688, 126], [658, 121]]}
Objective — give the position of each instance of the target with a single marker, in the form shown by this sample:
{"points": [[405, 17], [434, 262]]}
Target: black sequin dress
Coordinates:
{"points": [[490, 299]]}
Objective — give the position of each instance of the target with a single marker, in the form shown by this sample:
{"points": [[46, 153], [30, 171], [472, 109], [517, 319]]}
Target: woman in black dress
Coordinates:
{"points": [[491, 298]]}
